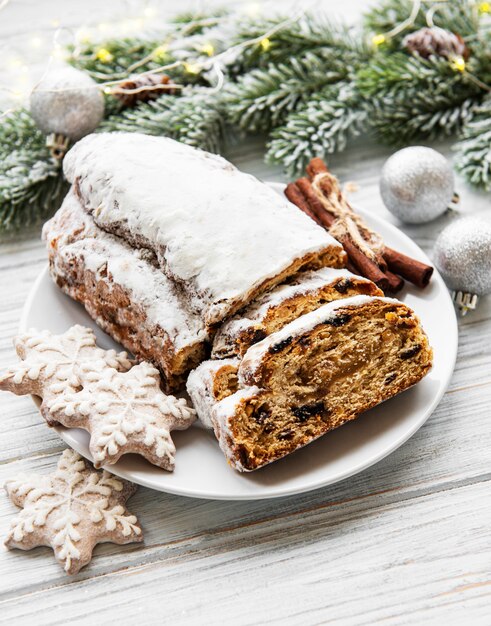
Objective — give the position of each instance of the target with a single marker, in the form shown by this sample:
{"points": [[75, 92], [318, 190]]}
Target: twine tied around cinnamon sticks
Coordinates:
{"points": [[347, 222], [321, 198]]}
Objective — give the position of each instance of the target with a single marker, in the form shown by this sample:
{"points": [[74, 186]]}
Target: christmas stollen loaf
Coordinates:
{"points": [[318, 372], [222, 236], [125, 293]]}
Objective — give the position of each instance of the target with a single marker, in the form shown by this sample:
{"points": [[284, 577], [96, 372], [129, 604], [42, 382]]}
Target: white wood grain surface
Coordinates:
{"points": [[405, 542]]}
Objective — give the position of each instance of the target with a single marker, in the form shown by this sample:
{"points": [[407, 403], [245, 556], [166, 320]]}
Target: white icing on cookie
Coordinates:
{"points": [[125, 414], [71, 510], [217, 231], [53, 365]]}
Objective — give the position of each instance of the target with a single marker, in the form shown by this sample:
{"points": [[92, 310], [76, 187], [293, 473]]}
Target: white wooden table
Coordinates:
{"points": [[405, 542]]}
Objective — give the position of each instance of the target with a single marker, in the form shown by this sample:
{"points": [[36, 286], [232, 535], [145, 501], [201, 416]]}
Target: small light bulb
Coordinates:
{"points": [[253, 9], [265, 44], [104, 55], [14, 63], [55, 23], [208, 49], [58, 53], [378, 40], [160, 52], [83, 35], [36, 42], [102, 27], [484, 7], [192, 68], [458, 64], [150, 12]]}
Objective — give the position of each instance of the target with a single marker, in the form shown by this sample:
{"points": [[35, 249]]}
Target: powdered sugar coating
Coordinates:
{"points": [[305, 283], [222, 414], [75, 235], [200, 387], [210, 225], [255, 354]]}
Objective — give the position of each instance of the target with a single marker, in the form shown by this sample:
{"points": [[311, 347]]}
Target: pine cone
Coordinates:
{"points": [[147, 85], [436, 41]]}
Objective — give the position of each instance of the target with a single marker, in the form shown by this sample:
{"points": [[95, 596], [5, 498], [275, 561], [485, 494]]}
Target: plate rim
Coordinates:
{"points": [[276, 492]]}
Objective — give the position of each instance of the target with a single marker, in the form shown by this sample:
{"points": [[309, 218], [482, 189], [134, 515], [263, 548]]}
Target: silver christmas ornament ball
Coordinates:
{"points": [[462, 254], [417, 184], [67, 102]]}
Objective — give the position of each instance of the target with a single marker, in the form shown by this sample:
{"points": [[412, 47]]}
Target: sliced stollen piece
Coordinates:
{"points": [[209, 225], [209, 383], [125, 292], [275, 309], [317, 373]]}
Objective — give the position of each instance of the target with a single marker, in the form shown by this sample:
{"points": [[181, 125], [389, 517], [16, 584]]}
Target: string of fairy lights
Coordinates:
{"points": [[208, 59], [457, 62], [132, 27]]}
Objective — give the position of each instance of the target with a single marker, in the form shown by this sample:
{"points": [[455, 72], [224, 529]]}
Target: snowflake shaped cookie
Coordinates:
{"points": [[53, 365], [125, 412], [71, 510]]}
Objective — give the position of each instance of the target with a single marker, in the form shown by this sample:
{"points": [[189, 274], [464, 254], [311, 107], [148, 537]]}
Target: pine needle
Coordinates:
{"points": [[31, 184], [474, 151]]}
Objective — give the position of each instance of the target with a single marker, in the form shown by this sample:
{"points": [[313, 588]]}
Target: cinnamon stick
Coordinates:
{"points": [[364, 265], [316, 205], [397, 263], [316, 166], [351, 268], [396, 283], [414, 271], [293, 193]]}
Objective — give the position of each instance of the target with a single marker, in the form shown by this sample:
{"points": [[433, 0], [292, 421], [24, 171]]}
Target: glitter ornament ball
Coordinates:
{"points": [[462, 255], [67, 102], [417, 184]]}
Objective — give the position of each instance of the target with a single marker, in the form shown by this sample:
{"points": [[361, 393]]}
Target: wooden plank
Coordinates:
{"points": [[442, 454], [355, 562]]}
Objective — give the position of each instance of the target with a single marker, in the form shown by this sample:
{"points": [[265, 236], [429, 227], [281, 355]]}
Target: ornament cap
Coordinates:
{"points": [[57, 145], [465, 301]]}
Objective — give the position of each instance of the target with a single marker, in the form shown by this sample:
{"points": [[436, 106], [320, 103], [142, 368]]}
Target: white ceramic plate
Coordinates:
{"points": [[201, 469]]}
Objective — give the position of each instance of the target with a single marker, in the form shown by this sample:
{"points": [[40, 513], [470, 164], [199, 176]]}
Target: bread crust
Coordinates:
{"points": [[84, 262], [207, 224], [324, 369], [277, 308]]}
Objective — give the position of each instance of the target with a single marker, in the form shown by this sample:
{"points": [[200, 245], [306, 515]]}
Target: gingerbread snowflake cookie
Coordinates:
{"points": [[53, 365], [71, 510], [126, 412], [83, 386]]}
